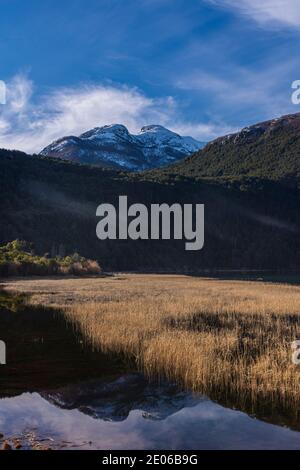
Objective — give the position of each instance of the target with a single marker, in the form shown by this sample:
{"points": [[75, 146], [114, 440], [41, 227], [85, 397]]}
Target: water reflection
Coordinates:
{"points": [[202, 426], [58, 391], [43, 352], [113, 400]]}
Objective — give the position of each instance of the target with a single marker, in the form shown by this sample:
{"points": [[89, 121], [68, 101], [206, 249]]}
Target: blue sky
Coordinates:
{"points": [[200, 67]]}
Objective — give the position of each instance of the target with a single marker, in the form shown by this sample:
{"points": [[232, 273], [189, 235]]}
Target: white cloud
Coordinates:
{"points": [[285, 12], [203, 131], [242, 90], [30, 125]]}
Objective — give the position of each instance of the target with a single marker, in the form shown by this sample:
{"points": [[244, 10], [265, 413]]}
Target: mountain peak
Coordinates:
{"points": [[154, 128], [118, 129], [113, 146], [263, 129]]}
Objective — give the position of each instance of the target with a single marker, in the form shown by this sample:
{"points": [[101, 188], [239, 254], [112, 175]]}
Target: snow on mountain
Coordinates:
{"points": [[114, 146]]}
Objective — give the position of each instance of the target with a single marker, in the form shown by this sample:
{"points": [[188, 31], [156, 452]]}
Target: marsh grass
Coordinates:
{"points": [[228, 339]]}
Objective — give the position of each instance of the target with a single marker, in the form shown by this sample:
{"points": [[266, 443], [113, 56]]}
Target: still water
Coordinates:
{"points": [[153, 422], [56, 392]]}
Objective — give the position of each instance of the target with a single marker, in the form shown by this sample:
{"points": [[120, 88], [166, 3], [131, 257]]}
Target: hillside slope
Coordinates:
{"points": [[268, 150], [250, 222]]}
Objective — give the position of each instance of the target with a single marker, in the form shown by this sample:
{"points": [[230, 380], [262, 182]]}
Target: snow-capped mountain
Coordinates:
{"points": [[113, 146]]}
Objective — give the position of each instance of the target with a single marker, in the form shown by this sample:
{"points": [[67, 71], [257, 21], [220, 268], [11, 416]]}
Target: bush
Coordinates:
{"points": [[17, 258]]}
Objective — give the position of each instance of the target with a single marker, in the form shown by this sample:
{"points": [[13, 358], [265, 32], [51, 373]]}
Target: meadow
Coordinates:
{"points": [[228, 339]]}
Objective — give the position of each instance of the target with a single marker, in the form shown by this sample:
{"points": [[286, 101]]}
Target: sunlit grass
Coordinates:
{"points": [[217, 337], [228, 339]]}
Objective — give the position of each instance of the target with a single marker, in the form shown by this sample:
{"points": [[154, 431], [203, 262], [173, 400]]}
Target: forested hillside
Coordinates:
{"points": [[250, 222]]}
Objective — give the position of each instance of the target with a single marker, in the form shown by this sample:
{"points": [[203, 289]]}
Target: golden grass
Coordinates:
{"points": [[228, 339]]}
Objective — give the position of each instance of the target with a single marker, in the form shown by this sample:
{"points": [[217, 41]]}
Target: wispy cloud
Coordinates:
{"points": [[204, 131], [236, 89], [30, 125], [280, 12]]}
